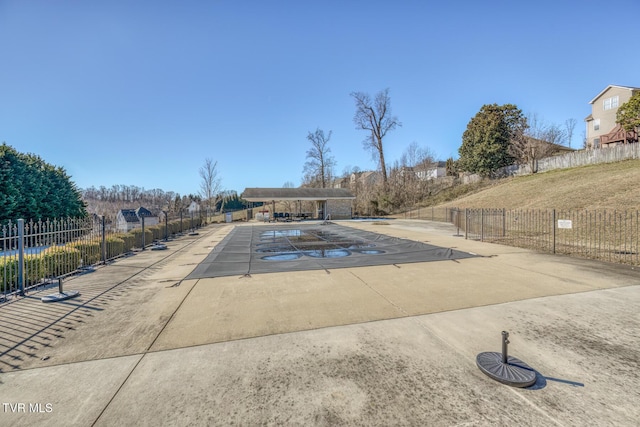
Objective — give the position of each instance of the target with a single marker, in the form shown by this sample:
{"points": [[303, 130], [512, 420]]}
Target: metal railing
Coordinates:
{"points": [[35, 253], [606, 235]]}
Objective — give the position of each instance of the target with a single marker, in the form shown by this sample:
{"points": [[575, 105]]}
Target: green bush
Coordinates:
{"points": [[59, 260], [34, 272], [175, 227], [148, 237], [129, 241], [157, 231], [137, 233], [90, 251], [115, 246]]}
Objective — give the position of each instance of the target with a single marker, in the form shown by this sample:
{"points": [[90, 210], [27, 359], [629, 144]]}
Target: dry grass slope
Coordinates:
{"points": [[604, 186]]}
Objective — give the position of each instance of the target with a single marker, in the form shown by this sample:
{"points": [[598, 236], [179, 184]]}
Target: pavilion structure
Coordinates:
{"points": [[329, 203]]}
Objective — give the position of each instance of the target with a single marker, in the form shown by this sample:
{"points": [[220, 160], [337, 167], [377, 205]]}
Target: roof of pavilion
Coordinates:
{"points": [[268, 194]]}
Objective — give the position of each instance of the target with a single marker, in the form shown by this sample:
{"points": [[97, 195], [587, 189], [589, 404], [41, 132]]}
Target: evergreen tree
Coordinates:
{"points": [[628, 114], [485, 143], [8, 191], [34, 189]]}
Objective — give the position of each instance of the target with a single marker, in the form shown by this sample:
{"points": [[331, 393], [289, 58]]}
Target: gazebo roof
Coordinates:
{"points": [[268, 194]]}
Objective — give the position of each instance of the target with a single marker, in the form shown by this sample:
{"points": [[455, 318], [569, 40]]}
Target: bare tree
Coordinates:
{"points": [[415, 156], [177, 204], [375, 118], [288, 205], [536, 141], [348, 170], [554, 134], [210, 182], [570, 125], [409, 177], [410, 155], [320, 163]]}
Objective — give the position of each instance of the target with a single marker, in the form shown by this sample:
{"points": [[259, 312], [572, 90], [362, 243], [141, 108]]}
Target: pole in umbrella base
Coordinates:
{"points": [[61, 295], [504, 368]]}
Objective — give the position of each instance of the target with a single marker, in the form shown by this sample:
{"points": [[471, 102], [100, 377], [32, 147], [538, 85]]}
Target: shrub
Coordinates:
{"points": [[176, 226], [34, 272], [137, 233], [157, 231], [59, 260], [129, 241], [116, 246], [90, 251]]}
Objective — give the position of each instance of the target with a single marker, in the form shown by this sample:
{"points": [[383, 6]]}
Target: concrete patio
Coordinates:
{"points": [[380, 345]]}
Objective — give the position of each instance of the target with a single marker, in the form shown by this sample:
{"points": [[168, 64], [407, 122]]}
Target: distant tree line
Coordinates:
{"points": [[31, 188], [109, 200], [132, 193]]}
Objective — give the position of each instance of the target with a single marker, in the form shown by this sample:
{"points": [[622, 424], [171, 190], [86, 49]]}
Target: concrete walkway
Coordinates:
{"points": [[384, 345]]}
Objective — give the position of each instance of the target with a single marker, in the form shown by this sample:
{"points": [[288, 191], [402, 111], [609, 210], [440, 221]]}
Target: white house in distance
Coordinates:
{"points": [[128, 219], [433, 171], [194, 208]]}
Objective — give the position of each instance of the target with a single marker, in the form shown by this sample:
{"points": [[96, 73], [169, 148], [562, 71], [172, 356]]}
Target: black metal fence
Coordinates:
{"points": [[32, 253], [607, 235]]}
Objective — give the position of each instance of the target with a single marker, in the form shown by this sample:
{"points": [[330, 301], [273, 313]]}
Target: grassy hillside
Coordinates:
{"points": [[603, 186]]}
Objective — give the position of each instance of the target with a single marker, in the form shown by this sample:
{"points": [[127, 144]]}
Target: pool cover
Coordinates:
{"points": [[298, 247]]}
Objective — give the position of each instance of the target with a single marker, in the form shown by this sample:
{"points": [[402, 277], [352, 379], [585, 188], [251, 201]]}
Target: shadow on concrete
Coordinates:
{"points": [[541, 382]]}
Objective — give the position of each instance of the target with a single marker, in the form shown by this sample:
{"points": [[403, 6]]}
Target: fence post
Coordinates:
{"points": [[166, 226], [482, 225], [553, 226], [504, 222], [21, 256], [143, 242], [466, 223], [104, 240]]}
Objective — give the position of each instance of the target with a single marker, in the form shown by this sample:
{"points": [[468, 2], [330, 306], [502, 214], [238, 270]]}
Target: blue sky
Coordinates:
{"points": [[141, 92]]}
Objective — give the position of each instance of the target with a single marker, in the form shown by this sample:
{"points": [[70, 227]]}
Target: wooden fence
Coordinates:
{"points": [[569, 160]]}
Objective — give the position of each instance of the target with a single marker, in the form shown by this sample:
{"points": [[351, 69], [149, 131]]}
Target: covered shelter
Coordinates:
{"points": [[329, 203]]}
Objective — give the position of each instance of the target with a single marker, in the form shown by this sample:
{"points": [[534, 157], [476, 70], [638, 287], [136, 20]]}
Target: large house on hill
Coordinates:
{"points": [[128, 219], [602, 129]]}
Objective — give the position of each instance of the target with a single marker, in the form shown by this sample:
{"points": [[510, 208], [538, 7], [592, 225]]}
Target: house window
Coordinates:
{"points": [[610, 103], [596, 124], [596, 142]]}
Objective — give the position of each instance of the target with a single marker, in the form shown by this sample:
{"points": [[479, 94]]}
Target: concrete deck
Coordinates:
{"points": [[384, 345]]}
